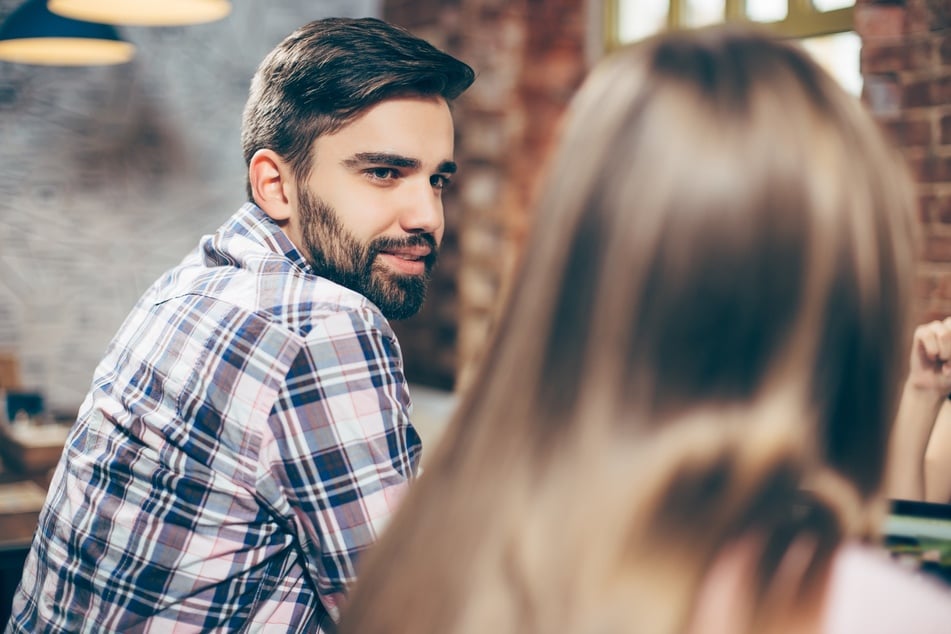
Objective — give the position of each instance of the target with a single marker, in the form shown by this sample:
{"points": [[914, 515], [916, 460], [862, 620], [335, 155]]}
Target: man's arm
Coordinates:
{"points": [[343, 447], [925, 391]]}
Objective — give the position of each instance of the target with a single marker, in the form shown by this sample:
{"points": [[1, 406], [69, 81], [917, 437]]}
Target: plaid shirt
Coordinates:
{"points": [[246, 437]]}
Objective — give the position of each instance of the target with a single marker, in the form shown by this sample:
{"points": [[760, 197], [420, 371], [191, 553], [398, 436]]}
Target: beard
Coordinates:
{"points": [[336, 254]]}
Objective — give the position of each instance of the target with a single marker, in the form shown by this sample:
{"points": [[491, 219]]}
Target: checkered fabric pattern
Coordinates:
{"points": [[246, 437]]}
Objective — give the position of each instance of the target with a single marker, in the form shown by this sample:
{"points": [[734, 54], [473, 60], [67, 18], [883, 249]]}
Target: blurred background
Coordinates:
{"points": [[109, 174]]}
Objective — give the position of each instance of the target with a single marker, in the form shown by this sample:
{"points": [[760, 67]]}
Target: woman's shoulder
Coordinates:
{"points": [[873, 594]]}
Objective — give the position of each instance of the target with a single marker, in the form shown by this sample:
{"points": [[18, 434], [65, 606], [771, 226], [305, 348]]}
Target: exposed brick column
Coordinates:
{"points": [[529, 81], [429, 339], [529, 56], [906, 63]]}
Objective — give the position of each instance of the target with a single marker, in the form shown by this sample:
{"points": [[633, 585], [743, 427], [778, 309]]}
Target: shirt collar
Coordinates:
{"points": [[251, 221]]}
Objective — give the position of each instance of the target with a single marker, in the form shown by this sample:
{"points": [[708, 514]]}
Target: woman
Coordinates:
{"points": [[921, 465], [682, 423]]}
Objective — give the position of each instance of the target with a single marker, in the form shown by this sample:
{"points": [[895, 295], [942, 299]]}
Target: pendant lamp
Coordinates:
{"points": [[34, 35], [143, 12]]}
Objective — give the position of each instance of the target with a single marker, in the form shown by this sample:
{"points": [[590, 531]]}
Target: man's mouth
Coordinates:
{"points": [[410, 260], [411, 254]]}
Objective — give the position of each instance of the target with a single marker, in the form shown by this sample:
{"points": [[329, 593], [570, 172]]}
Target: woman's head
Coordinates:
{"points": [[707, 329], [721, 223]]}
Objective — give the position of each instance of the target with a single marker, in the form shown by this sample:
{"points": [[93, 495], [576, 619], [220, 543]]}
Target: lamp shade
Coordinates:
{"points": [[143, 12], [34, 35]]}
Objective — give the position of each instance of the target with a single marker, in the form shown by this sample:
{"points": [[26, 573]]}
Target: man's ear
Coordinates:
{"points": [[272, 184]]}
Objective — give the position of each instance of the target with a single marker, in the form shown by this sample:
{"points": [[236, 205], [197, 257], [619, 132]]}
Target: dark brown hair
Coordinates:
{"points": [[324, 74]]}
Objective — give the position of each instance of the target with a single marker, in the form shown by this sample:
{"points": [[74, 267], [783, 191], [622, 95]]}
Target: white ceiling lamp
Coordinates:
{"points": [[143, 12], [33, 35]]}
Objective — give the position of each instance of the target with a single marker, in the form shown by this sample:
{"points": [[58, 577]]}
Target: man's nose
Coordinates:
{"points": [[423, 211]]}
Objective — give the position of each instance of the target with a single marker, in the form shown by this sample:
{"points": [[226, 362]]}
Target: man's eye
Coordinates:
{"points": [[438, 181], [382, 173]]}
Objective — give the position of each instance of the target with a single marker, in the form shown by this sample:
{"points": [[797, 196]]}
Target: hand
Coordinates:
{"points": [[930, 367]]}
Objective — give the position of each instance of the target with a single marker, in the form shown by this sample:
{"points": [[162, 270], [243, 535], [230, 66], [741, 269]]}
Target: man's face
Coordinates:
{"points": [[370, 212]]}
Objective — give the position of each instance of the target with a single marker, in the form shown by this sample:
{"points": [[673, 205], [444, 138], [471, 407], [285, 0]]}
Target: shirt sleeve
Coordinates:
{"points": [[343, 448]]}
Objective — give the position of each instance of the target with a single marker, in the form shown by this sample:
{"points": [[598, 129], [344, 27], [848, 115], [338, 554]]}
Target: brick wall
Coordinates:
{"points": [[906, 64], [529, 56]]}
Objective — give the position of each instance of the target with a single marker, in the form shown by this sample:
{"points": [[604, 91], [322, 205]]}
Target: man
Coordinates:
{"points": [[246, 436]]}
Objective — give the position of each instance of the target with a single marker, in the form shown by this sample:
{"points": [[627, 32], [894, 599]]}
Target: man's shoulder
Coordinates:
{"points": [[270, 286], [249, 266], [283, 296]]}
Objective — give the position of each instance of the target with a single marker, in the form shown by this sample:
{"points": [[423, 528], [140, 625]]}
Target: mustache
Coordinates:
{"points": [[378, 245], [415, 240]]}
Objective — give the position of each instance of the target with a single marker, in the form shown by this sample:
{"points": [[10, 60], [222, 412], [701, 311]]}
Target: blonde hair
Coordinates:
{"points": [[704, 342]]}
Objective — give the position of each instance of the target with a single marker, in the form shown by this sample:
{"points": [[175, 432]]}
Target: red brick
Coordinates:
{"points": [[918, 94], [927, 15], [913, 133], [917, 133], [941, 90], [927, 168], [882, 58], [942, 169], [919, 53], [941, 208], [937, 249], [879, 21], [935, 169]]}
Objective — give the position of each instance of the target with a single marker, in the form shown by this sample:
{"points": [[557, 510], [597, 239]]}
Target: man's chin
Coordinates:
{"points": [[399, 310], [403, 312], [402, 296]]}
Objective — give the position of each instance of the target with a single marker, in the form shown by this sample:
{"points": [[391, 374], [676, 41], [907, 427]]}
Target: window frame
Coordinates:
{"points": [[802, 20]]}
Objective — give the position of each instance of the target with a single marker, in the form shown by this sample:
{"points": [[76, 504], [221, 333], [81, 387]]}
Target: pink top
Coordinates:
{"points": [[871, 594]]}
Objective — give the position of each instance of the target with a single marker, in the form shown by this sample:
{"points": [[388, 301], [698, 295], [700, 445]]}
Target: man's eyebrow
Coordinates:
{"points": [[394, 160], [381, 158]]}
